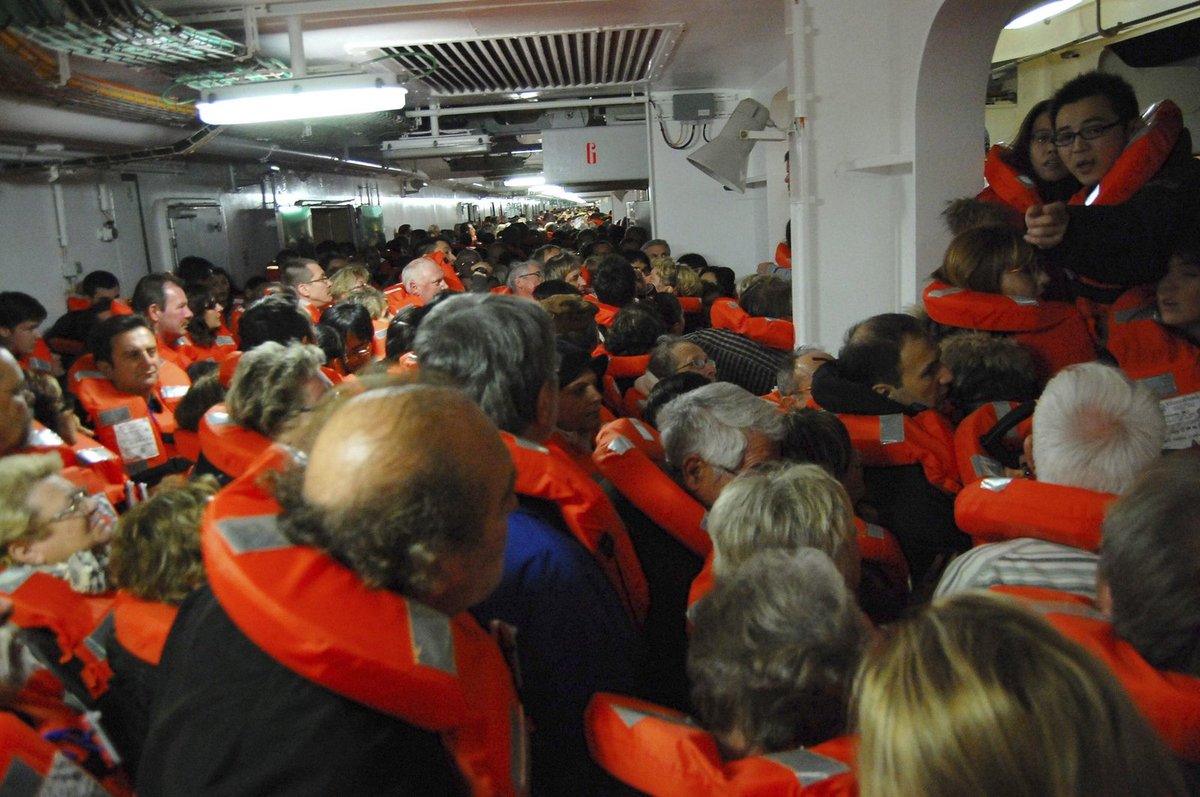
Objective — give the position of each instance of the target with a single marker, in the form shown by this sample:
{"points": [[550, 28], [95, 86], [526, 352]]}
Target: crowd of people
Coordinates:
{"points": [[542, 508]]}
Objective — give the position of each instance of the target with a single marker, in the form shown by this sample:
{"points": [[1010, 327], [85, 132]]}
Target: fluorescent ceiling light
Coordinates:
{"points": [[525, 182], [1042, 12], [300, 98], [437, 146]]}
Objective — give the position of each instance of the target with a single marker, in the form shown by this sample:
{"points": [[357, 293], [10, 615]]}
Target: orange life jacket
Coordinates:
{"points": [[587, 512], [31, 765], [997, 509], [974, 462], [228, 447], [85, 462], [605, 312], [774, 333], [179, 351], [40, 359], [398, 298], [1054, 332], [1141, 159], [1169, 701], [228, 368], [142, 626], [447, 266], [629, 455], [559, 442], [78, 622], [222, 346], [379, 338], [926, 438], [373, 646], [783, 255], [665, 753], [124, 423], [1008, 185], [691, 305], [1163, 360], [620, 367]]}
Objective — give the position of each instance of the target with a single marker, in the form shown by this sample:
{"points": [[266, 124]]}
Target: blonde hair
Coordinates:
{"points": [[978, 696], [978, 257], [346, 279], [688, 282], [787, 507], [371, 298], [18, 474], [156, 545]]}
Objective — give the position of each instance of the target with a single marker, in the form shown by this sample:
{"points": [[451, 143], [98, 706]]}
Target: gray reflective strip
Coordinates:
{"points": [[217, 418], [620, 445], [1001, 409], [945, 292], [518, 750], [875, 532], [90, 456], [643, 430], [224, 340], [983, 465], [1064, 607], [995, 485], [632, 716], [21, 780], [1133, 314], [95, 640], [253, 533], [174, 391], [81, 375], [809, 767], [1025, 300], [11, 580], [114, 416], [381, 334], [1161, 385], [45, 437], [432, 639], [39, 364], [531, 446], [704, 521], [891, 429]]}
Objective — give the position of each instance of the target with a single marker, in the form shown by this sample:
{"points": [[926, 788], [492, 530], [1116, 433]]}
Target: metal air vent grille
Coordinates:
{"points": [[582, 59]]}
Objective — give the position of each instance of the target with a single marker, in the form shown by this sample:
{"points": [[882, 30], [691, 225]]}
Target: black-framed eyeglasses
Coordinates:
{"points": [[1067, 138], [213, 304], [322, 278]]}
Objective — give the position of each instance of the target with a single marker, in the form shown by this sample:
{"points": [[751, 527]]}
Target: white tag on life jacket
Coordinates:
{"points": [[135, 439], [1182, 414]]}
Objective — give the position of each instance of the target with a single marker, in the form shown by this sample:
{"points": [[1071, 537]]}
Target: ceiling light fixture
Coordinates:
{"points": [[436, 146], [1042, 12], [525, 182], [300, 98]]}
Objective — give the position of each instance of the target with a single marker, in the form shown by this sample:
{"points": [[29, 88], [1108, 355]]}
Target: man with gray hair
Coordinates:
{"points": [[715, 432], [572, 585], [1094, 432], [524, 277]]}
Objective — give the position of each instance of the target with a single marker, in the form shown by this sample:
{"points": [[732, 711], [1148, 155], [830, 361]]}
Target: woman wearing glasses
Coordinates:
{"points": [[51, 525], [1029, 170], [206, 329]]}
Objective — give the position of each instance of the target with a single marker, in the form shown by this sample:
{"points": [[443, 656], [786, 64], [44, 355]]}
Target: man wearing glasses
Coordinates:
{"points": [[1095, 119], [308, 280]]}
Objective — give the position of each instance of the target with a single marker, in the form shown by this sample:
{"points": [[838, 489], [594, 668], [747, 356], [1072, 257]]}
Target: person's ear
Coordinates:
{"points": [[6, 333], [153, 313], [26, 552], [694, 470]]}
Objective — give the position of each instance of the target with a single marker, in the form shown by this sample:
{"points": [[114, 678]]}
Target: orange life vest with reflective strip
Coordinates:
{"points": [[691, 305], [228, 447], [628, 454], [774, 333], [1055, 332], [1161, 359], [974, 462], [398, 298], [1141, 159], [587, 512], [40, 359], [179, 351], [372, 646], [124, 423], [1169, 701], [30, 765], [379, 338], [142, 626], [665, 753], [997, 509], [85, 462], [880, 547], [885, 441], [560, 443], [222, 346], [78, 622]]}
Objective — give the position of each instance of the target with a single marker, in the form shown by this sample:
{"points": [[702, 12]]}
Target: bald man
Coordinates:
{"points": [[330, 652]]}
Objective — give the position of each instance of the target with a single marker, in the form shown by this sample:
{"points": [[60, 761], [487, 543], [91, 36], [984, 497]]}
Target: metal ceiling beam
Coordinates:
{"points": [[592, 102]]}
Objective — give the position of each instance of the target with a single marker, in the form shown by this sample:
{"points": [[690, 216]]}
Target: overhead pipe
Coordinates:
{"points": [[459, 110]]}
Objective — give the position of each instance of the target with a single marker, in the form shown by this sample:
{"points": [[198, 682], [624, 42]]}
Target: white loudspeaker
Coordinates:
{"points": [[724, 158]]}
